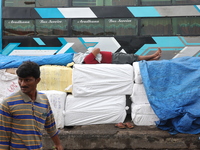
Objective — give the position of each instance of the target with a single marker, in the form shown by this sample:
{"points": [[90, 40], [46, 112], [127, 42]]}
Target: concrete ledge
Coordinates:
{"points": [[108, 137]]}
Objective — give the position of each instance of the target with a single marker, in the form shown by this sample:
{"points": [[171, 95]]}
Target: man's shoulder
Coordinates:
{"points": [[12, 96], [42, 94], [42, 97]]}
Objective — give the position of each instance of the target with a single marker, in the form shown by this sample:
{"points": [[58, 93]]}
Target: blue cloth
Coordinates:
{"points": [[15, 61], [173, 90]]}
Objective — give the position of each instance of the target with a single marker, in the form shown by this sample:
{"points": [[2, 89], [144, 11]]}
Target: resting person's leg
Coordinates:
{"points": [[123, 58], [154, 56]]}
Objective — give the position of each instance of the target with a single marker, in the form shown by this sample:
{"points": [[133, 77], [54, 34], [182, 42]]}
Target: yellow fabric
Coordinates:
{"points": [[55, 77]]}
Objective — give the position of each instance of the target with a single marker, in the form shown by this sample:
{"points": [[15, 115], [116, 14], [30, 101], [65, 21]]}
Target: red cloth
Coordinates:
{"points": [[106, 58]]}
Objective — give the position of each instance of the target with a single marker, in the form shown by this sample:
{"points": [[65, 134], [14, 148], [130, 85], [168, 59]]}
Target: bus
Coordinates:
{"points": [[49, 27]]}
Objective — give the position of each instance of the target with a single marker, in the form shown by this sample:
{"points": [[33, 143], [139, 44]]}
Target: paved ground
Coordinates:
{"points": [[108, 137]]}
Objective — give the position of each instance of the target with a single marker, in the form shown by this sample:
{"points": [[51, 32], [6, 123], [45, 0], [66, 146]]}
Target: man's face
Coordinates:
{"points": [[28, 84]]}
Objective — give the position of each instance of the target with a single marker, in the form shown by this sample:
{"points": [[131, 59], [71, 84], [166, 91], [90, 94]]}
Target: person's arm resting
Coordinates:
{"points": [[90, 59]]}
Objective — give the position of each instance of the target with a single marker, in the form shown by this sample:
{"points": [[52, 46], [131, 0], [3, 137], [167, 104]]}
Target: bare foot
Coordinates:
{"points": [[156, 55], [155, 58]]}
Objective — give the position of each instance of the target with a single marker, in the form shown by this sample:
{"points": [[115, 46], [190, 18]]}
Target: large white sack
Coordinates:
{"points": [[57, 102], [145, 120], [8, 83], [139, 94], [136, 69], [94, 110], [102, 79], [142, 109], [143, 115]]}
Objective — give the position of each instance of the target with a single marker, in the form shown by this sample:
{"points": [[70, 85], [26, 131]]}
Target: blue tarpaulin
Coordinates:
{"points": [[15, 61], [173, 90]]}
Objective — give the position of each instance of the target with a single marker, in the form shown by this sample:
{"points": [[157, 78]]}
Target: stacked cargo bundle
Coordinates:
{"points": [[94, 110], [57, 102], [142, 114], [98, 94], [54, 81], [8, 82], [55, 77]]}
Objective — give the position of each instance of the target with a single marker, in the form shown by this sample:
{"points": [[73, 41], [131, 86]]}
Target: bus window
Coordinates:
{"points": [[18, 27], [52, 27], [156, 26], [186, 26], [53, 3], [87, 2], [120, 2], [19, 3], [121, 26], [156, 2], [186, 1], [87, 27]]}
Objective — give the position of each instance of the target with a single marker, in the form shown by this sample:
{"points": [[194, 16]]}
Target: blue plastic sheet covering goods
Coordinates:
{"points": [[15, 61], [173, 90]]}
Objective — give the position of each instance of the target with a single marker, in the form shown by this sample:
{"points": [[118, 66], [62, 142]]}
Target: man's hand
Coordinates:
{"points": [[95, 51], [59, 147], [57, 143]]}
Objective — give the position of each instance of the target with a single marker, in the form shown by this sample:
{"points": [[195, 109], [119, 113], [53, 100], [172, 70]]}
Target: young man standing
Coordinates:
{"points": [[25, 114]]}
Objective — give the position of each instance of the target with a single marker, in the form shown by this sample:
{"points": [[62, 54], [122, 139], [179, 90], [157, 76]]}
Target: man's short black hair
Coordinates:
{"points": [[28, 69]]}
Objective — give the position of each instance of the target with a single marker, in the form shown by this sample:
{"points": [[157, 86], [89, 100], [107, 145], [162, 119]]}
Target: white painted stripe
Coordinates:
{"points": [[188, 51], [77, 12], [106, 44], [65, 48], [32, 52]]}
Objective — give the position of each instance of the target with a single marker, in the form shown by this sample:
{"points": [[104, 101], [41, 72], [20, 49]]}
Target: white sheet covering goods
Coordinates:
{"points": [[141, 112], [143, 115], [137, 77], [8, 83], [102, 79], [139, 94], [57, 102], [94, 110]]}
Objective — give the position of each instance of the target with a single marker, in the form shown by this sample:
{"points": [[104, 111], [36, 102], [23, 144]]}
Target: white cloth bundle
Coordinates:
{"points": [[139, 94], [102, 79], [8, 83], [57, 102], [138, 77], [143, 115], [94, 110]]}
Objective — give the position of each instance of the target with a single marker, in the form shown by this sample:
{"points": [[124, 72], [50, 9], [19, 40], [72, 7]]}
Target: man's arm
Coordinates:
{"points": [[57, 142], [51, 129], [5, 126], [95, 51]]}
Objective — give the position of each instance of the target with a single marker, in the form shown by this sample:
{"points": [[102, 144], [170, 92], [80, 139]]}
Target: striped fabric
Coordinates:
{"points": [[22, 122]]}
